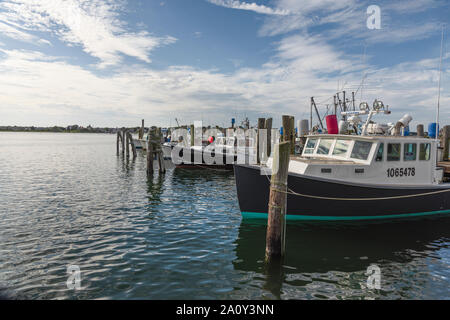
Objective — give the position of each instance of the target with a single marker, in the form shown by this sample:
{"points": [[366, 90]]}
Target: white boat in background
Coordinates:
{"points": [[140, 143]]}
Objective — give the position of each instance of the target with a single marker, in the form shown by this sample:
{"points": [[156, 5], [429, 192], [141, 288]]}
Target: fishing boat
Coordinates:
{"points": [[377, 174], [218, 153]]}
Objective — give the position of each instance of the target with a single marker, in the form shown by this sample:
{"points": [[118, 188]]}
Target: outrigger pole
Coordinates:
{"points": [[313, 103]]}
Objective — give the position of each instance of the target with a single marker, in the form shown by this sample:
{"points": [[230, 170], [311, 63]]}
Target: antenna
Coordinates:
{"points": [[439, 85], [364, 72]]}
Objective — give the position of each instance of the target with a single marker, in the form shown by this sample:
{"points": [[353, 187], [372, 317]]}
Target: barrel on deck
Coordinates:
{"points": [[332, 124], [432, 130]]}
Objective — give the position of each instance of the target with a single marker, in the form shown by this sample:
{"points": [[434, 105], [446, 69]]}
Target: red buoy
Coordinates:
{"points": [[332, 124]]}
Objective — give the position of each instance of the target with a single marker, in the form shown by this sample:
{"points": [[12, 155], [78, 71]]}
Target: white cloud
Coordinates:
{"points": [[14, 33], [234, 4], [346, 20], [37, 86], [94, 25]]}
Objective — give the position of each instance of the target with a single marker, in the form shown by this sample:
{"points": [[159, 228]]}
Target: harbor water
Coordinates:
{"points": [[68, 200]]}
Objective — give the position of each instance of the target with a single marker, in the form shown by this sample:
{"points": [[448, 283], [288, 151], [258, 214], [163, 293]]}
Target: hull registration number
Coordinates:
{"points": [[401, 172]]}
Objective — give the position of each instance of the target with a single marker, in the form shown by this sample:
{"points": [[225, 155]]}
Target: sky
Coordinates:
{"points": [[115, 62]]}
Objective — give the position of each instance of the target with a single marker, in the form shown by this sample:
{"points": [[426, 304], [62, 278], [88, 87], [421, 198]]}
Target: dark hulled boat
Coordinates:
{"points": [[353, 177]]}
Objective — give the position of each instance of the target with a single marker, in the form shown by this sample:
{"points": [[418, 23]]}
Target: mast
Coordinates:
{"points": [[439, 85], [364, 73]]}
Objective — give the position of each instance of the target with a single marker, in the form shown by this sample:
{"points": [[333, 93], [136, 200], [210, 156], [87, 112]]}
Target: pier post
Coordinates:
{"points": [[420, 131], [158, 151], [292, 136], [123, 140], [131, 142], [127, 144], [149, 154], [276, 220], [119, 138], [141, 131], [268, 126], [192, 135], [288, 131], [445, 142], [261, 123]]}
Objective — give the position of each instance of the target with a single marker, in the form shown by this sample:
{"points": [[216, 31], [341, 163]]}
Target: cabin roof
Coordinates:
{"points": [[312, 160], [371, 137]]}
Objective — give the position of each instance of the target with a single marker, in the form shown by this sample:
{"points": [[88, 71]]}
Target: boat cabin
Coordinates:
{"points": [[405, 160]]}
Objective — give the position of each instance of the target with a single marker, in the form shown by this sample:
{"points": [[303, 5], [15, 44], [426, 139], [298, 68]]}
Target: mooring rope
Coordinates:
{"points": [[291, 192]]}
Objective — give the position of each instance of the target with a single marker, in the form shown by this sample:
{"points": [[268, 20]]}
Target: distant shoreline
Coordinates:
{"points": [[69, 129]]}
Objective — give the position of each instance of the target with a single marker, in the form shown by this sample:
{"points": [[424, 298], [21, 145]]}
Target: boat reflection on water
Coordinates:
{"points": [[331, 260]]}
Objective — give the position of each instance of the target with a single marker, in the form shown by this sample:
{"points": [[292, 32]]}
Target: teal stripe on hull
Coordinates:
{"points": [[257, 215]]}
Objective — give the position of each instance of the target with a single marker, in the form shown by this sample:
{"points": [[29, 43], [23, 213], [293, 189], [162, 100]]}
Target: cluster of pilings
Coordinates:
{"points": [[125, 139], [154, 150]]}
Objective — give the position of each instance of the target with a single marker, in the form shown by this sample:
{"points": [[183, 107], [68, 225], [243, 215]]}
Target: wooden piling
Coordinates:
{"points": [[192, 135], [292, 136], [141, 131], [420, 131], [127, 144], [119, 138], [268, 126], [261, 123], [158, 150], [123, 141], [131, 142], [288, 131], [154, 149], [149, 155], [445, 142], [276, 220]]}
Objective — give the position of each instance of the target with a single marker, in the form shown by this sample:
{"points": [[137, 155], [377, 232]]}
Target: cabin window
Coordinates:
{"points": [[341, 147], [310, 146], [380, 152], [393, 151], [410, 152], [324, 146], [424, 153], [361, 150]]}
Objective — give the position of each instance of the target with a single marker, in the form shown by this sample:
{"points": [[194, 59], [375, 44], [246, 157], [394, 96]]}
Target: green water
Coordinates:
{"points": [[67, 199]]}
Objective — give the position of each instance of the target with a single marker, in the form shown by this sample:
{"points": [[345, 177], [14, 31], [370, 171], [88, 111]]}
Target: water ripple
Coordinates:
{"points": [[66, 199]]}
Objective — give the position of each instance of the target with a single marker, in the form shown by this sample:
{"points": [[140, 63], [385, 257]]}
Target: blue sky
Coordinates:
{"points": [[113, 62]]}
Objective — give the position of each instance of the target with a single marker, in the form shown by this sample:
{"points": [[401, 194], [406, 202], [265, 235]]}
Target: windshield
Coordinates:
{"points": [[361, 150], [324, 146], [341, 147], [310, 145]]}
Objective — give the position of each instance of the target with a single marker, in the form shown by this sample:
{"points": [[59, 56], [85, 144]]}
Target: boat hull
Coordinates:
{"points": [[322, 199]]}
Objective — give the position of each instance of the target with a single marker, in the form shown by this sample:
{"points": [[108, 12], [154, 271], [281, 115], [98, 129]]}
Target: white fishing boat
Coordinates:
{"points": [[220, 152], [378, 174]]}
